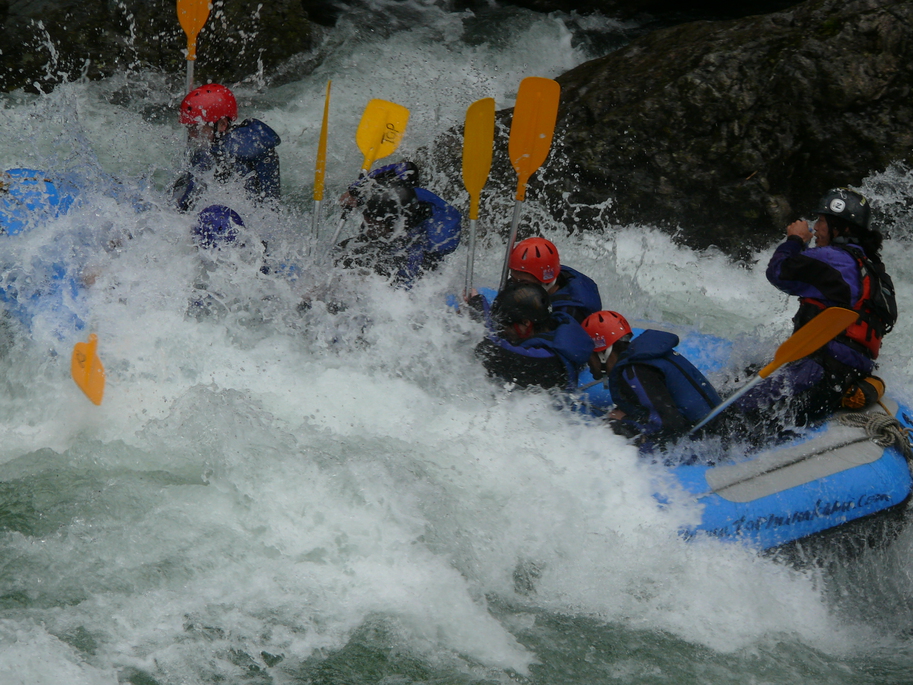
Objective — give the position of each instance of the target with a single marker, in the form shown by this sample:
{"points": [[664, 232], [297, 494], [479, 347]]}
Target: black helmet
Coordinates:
{"points": [[846, 204], [387, 204], [520, 301]]}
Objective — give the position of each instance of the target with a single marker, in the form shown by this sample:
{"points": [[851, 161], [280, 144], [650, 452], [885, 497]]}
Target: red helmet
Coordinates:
{"points": [[207, 104], [537, 257], [606, 328]]}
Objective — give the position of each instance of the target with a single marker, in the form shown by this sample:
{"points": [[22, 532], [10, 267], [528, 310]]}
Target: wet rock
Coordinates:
{"points": [[727, 130], [667, 9], [44, 42]]}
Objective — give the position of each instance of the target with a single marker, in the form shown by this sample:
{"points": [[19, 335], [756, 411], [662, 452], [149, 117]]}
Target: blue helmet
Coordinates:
{"points": [[216, 225]]}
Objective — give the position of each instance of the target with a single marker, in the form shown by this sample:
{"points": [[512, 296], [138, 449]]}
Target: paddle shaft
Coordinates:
{"points": [[808, 339], [339, 226], [315, 223], [342, 221], [726, 403], [321, 165], [188, 84], [514, 223], [470, 258], [604, 380]]}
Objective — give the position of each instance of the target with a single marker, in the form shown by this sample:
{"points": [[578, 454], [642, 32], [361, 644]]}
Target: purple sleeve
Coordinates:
{"points": [[785, 251], [828, 274]]}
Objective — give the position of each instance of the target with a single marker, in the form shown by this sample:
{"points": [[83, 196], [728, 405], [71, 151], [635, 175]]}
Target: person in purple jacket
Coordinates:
{"points": [[843, 269]]}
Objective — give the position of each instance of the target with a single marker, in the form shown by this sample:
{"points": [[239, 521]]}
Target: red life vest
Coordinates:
{"points": [[864, 332]]}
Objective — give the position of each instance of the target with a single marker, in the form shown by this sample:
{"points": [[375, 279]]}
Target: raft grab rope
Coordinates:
{"points": [[882, 429]]}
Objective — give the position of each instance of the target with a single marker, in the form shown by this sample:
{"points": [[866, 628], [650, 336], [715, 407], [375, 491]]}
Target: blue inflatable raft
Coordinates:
{"points": [[825, 479], [822, 480], [29, 199]]}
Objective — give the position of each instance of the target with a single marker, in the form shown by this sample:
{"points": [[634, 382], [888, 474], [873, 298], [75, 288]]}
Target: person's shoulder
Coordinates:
{"points": [[574, 274], [569, 332], [830, 253], [255, 128], [425, 195], [570, 271], [652, 342], [252, 121]]}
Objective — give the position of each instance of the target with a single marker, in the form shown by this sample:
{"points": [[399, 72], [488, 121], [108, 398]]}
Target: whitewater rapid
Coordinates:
{"points": [[263, 490]]}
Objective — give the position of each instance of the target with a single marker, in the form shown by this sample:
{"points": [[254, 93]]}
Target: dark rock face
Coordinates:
{"points": [[46, 41], [656, 8], [730, 129]]}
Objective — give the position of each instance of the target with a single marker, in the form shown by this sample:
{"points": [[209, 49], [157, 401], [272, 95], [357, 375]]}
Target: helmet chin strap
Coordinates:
{"points": [[603, 360]]}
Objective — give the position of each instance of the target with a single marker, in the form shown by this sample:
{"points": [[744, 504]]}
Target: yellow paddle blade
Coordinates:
{"points": [[382, 127], [321, 166], [478, 145], [812, 336], [87, 370], [532, 128], [193, 15]]}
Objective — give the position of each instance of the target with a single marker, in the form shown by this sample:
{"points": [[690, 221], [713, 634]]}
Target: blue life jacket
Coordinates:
{"points": [[568, 342], [432, 239], [691, 392], [579, 296], [442, 228], [246, 151]]}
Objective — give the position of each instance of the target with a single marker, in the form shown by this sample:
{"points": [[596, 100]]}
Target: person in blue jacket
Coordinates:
{"points": [[228, 150], [401, 173], [844, 269], [536, 260], [658, 394], [406, 232], [530, 344]]}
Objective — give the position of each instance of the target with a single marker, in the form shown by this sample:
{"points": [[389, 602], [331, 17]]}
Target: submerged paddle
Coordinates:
{"points": [[193, 15], [811, 337], [531, 132], [87, 369], [381, 129], [478, 146], [321, 165]]}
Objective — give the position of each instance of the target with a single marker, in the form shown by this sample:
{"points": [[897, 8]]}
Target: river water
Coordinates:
{"points": [[274, 494]]}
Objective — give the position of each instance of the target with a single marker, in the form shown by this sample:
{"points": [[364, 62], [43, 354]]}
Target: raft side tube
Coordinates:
{"points": [[833, 476]]}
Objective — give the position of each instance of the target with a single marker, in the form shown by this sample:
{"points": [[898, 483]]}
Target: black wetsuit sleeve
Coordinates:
{"points": [[645, 387], [545, 372]]}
